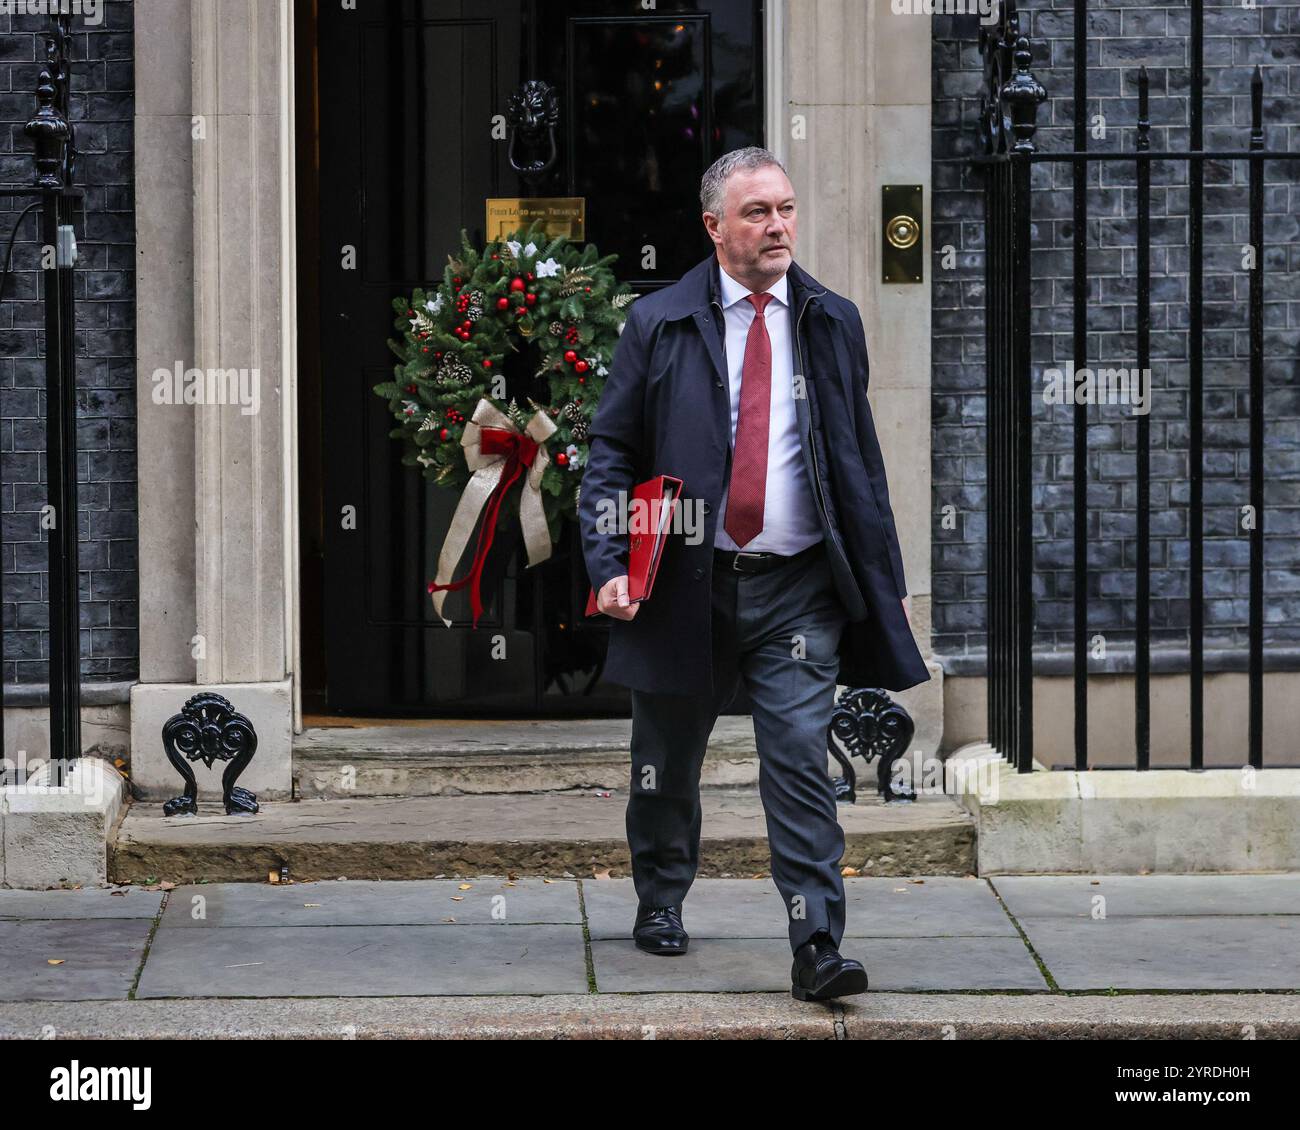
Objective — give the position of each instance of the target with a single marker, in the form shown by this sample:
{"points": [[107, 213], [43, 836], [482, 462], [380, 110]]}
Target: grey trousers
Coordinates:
{"points": [[780, 632]]}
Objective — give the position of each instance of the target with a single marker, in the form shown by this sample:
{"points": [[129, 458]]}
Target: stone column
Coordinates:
{"points": [[856, 81], [228, 567]]}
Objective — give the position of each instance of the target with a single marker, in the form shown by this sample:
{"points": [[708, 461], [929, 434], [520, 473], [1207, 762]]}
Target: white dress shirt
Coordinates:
{"points": [[790, 521]]}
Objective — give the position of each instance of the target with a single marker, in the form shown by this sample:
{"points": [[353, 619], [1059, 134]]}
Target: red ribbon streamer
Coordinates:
{"points": [[519, 449]]}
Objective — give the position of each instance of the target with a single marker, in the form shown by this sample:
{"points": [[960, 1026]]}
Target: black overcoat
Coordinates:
{"points": [[666, 409]]}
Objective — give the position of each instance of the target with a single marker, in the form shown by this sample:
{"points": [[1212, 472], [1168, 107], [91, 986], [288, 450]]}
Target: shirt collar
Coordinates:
{"points": [[733, 292]]}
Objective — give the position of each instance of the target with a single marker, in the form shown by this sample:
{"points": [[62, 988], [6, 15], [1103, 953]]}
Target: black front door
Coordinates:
{"points": [[409, 94]]}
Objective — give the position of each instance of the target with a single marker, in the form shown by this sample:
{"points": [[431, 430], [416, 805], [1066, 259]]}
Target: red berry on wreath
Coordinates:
{"points": [[495, 256], [443, 434], [582, 380], [456, 279], [587, 289], [531, 298], [516, 283], [503, 303], [487, 362], [562, 459], [581, 367], [412, 388], [530, 276], [570, 356]]}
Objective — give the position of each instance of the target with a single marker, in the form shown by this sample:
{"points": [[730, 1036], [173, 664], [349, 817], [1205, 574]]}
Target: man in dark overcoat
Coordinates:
{"points": [[747, 380]]}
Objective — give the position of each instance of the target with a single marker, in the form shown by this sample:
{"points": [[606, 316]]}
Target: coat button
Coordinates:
{"points": [[717, 384], [699, 574]]}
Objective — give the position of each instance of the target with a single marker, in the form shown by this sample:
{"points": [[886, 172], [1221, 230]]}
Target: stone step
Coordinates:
{"points": [[458, 757], [525, 834]]}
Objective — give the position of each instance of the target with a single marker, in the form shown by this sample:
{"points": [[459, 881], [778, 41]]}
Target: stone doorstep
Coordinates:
{"points": [[453, 757], [525, 834], [1127, 822]]}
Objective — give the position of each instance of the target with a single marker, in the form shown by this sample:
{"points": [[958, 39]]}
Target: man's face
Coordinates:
{"points": [[755, 235]]}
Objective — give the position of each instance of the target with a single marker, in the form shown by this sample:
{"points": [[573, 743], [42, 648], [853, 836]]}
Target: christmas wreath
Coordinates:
{"points": [[500, 371]]}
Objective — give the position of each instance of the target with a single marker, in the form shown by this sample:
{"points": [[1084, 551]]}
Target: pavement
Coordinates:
{"points": [[1034, 956]]}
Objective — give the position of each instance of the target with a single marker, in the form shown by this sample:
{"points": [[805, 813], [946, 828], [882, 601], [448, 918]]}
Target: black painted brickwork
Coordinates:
{"points": [[102, 108], [1123, 36]]}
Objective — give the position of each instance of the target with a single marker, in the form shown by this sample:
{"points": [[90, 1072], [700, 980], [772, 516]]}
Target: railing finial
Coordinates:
{"points": [[1023, 94]]}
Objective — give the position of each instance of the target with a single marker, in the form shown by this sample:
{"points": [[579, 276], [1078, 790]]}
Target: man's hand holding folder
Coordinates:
{"points": [[650, 518], [613, 599]]}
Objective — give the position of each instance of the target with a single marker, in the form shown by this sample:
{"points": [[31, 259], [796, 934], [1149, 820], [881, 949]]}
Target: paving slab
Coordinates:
{"points": [[360, 961], [1190, 953], [1144, 895], [489, 901], [920, 906], [87, 902], [98, 957], [738, 965]]}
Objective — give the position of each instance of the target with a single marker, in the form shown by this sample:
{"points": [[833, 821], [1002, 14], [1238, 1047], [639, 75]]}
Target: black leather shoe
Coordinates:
{"points": [[820, 973], [659, 929]]}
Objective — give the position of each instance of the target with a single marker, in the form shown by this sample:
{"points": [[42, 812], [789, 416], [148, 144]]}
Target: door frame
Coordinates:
{"points": [[303, 475]]}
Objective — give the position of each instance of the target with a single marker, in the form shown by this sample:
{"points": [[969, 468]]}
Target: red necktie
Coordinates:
{"points": [[748, 488]]}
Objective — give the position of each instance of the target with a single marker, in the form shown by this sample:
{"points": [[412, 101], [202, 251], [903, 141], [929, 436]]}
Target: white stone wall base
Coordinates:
{"points": [[104, 730], [1125, 822], [269, 706], [56, 835]]}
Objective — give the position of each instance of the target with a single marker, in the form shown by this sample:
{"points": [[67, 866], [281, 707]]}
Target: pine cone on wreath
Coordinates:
{"points": [[455, 372]]}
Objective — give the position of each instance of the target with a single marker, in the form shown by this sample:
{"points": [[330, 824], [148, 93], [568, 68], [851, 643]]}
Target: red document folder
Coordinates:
{"points": [[650, 516]]}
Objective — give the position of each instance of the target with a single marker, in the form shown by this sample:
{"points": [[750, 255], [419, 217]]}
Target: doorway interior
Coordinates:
{"points": [[396, 101]]}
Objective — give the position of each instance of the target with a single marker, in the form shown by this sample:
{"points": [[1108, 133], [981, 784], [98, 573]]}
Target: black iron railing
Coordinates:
{"points": [[52, 134], [1008, 126]]}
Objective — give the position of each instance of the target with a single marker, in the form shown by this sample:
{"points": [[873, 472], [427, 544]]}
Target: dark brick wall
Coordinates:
{"points": [[1123, 36], [102, 108]]}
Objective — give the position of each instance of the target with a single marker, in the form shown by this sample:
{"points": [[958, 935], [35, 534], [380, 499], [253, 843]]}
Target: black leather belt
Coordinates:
{"points": [[740, 561]]}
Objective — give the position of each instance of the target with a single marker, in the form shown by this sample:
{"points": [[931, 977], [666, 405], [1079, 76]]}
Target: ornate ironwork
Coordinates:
{"points": [[1024, 93], [1009, 103], [50, 128], [533, 114], [867, 723], [54, 156], [49, 131], [208, 729]]}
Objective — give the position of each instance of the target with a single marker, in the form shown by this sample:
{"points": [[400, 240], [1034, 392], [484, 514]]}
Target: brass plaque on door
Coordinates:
{"points": [[560, 215], [902, 252]]}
